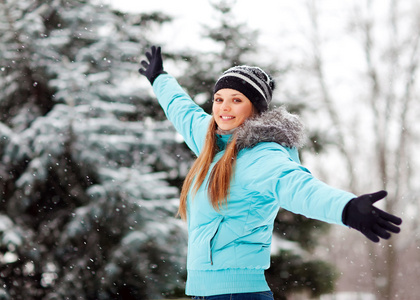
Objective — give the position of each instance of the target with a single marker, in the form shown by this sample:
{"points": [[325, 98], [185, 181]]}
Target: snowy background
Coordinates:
{"points": [[90, 169]]}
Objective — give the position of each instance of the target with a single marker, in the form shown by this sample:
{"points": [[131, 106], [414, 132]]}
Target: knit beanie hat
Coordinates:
{"points": [[253, 82]]}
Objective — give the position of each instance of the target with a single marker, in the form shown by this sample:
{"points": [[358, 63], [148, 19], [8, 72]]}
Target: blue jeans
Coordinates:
{"points": [[242, 296]]}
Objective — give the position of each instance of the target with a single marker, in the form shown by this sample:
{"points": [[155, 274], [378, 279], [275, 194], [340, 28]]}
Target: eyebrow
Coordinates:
{"points": [[236, 94]]}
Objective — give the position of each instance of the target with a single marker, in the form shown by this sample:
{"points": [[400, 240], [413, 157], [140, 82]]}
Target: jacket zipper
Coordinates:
{"points": [[211, 255]]}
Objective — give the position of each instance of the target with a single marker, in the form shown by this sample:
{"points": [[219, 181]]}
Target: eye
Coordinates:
{"points": [[237, 100], [218, 100]]}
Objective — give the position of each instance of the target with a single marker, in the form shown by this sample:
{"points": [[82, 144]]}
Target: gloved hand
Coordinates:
{"points": [[374, 223], [154, 67]]}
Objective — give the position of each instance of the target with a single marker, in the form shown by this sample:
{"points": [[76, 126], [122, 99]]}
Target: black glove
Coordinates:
{"points": [[374, 223], [154, 67]]}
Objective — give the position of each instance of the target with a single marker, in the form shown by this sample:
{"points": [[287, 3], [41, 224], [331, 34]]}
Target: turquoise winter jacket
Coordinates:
{"points": [[229, 250]]}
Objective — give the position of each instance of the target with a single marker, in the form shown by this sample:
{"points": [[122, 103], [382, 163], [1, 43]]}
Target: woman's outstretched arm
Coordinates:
{"points": [[189, 119]]}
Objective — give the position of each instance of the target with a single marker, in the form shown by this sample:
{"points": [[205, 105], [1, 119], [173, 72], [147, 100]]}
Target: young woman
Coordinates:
{"points": [[247, 168]]}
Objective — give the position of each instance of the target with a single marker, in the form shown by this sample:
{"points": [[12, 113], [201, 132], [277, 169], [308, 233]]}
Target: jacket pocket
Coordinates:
{"points": [[200, 244], [213, 235]]}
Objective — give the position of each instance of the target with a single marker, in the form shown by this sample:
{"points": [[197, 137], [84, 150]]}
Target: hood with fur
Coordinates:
{"points": [[276, 125]]}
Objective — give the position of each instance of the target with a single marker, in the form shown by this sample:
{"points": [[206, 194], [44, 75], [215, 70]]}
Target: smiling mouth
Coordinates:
{"points": [[226, 117]]}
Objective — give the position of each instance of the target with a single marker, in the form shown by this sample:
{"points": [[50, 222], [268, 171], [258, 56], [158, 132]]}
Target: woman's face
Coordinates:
{"points": [[231, 108]]}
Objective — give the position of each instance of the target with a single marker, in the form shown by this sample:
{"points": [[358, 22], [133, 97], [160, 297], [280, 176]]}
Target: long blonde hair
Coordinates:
{"points": [[220, 176]]}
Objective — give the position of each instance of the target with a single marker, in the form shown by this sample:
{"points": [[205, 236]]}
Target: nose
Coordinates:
{"points": [[225, 106]]}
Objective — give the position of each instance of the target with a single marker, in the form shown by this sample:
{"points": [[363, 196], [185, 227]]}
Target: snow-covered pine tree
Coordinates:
{"points": [[293, 268], [86, 210]]}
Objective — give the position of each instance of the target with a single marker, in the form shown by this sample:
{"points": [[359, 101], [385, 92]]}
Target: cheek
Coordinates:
{"points": [[247, 112], [213, 109]]}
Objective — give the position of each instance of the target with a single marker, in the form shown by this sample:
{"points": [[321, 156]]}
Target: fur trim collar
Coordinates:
{"points": [[276, 125]]}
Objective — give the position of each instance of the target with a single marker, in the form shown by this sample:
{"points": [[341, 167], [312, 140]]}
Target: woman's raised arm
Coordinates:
{"points": [[189, 119]]}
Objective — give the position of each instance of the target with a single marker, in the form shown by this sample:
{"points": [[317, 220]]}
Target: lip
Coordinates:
{"points": [[226, 118]]}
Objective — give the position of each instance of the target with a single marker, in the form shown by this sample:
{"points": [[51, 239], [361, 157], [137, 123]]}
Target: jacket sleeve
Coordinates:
{"points": [[188, 118], [295, 189]]}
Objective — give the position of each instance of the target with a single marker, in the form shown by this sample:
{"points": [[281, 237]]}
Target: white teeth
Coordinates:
{"points": [[226, 117]]}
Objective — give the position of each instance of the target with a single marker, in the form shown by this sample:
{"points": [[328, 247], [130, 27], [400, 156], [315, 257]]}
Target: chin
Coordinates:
{"points": [[224, 126], [228, 128]]}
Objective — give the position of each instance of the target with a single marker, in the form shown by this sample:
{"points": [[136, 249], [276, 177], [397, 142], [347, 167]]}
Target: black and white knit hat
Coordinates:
{"points": [[253, 82]]}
